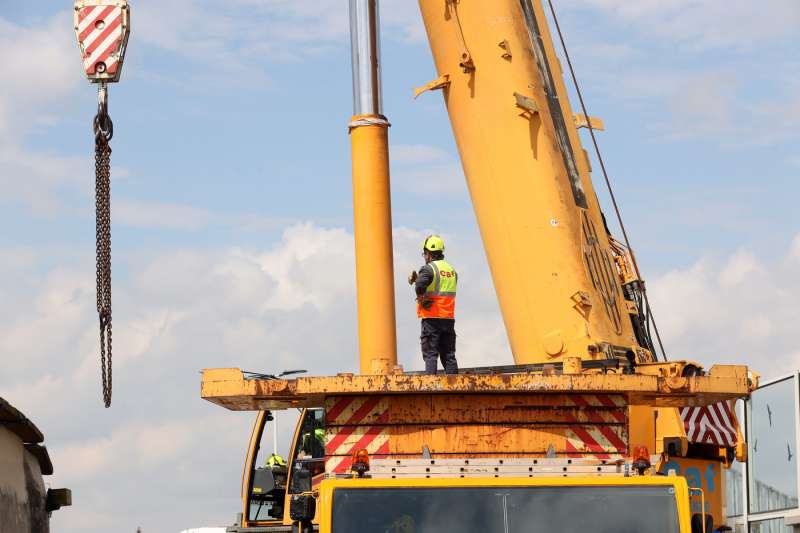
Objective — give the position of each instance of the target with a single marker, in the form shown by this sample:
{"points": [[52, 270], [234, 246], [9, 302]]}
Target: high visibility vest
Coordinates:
{"points": [[314, 442], [441, 293]]}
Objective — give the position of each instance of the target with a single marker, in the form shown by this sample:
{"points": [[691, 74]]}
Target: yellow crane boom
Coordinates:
{"points": [[528, 175]]}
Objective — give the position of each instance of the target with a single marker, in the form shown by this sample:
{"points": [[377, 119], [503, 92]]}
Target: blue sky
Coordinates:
{"points": [[232, 213], [251, 128]]}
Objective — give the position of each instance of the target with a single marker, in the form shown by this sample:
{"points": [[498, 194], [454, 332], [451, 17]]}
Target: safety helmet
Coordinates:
{"points": [[433, 243]]}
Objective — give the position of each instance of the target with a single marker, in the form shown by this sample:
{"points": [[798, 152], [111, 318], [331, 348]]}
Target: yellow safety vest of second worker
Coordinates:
{"points": [[439, 300]]}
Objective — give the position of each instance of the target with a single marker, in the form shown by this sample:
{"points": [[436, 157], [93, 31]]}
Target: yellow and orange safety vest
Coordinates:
{"points": [[441, 293]]}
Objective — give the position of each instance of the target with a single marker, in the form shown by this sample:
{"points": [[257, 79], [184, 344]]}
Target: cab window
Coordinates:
{"points": [[309, 451], [625, 509], [269, 470]]}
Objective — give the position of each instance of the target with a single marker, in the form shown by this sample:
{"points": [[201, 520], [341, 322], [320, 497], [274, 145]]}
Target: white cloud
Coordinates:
{"points": [[315, 267], [178, 311], [142, 444], [234, 45], [285, 306], [708, 24], [417, 154], [795, 250], [742, 265], [183, 217], [40, 65], [685, 70], [718, 105], [55, 306], [734, 311], [425, 170], [160, 215], [240, 40], [405, 18], [39, 181], [148, 463], [431, 180], [608, 53], [706, 100], [41, 69]]}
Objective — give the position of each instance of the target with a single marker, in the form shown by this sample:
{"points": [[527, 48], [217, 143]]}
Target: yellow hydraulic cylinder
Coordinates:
{"points": [[369, 136], [528, 176], [377, 335]]}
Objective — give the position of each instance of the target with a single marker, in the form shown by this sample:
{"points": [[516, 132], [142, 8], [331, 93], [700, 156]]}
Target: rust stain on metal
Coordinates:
{"points": [[229, 388]]}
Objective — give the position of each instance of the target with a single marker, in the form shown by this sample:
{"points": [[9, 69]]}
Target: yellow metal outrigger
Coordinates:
{"points": [[519, 414]]}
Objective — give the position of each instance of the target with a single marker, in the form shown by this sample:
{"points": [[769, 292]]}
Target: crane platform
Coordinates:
{"points": [[660, 385]]}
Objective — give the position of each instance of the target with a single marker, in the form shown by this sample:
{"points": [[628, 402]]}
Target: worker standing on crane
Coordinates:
{"points": [[435, 287]]}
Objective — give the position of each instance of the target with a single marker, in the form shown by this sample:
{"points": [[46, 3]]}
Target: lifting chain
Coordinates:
{"points": [[102, 28], [103, 131]]}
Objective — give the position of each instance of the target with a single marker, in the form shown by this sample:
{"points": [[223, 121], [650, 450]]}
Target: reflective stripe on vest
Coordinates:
{"points": [[441, 293]]}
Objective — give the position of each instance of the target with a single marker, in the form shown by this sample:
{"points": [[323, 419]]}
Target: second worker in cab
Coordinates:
{"points": [[435, 287]]}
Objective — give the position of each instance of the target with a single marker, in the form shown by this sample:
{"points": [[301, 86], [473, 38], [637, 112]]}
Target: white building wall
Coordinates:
{"points": [[22, 491]]}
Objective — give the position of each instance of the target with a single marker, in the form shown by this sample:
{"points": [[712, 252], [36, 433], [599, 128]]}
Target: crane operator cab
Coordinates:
{"points": [[270, 480], [309, 445], [269, 489]]}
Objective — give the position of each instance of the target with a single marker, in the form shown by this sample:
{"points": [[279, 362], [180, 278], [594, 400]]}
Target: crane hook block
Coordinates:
{"points": [[102, 28]]}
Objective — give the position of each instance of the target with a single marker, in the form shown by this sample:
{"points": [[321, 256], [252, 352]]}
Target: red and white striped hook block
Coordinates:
{"points": [[102, 27]]}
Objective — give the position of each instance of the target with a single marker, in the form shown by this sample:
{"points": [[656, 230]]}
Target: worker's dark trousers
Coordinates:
{"points": [[438, 340]]}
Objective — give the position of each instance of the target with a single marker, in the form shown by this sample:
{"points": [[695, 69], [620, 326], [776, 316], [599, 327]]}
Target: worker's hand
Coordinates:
{"points": [[412, 277], [424, 302]]}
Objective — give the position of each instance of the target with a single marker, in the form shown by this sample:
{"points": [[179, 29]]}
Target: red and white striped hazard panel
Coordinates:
{"points": [[352, 424], [102, 31], [604, 432], [710, 424]]}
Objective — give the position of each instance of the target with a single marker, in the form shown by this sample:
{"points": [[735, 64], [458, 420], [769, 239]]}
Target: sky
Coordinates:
{"points": [[232, 218]]}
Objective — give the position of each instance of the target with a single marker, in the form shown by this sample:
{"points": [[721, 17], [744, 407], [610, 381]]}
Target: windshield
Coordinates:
{"points": [[629, 509]]}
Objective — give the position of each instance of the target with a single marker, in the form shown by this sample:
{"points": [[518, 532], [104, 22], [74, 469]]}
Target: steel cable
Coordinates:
{"points": [[605, 176]]}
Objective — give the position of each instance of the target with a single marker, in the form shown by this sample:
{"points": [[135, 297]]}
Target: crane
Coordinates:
{"points": [[588, 389]]}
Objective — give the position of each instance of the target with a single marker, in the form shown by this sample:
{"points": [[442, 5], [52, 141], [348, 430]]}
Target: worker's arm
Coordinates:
{"points": [[424, 278]]}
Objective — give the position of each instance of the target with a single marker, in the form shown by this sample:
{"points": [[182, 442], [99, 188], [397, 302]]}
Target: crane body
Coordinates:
{"points": [[516, 423], [587, 413], [550, 257]]}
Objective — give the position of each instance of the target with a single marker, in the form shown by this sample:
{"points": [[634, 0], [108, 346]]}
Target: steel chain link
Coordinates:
{"points": [[103, 129]]}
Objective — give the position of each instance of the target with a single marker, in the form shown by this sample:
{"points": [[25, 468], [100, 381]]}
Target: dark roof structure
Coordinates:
{"points": [[30, 435]]}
